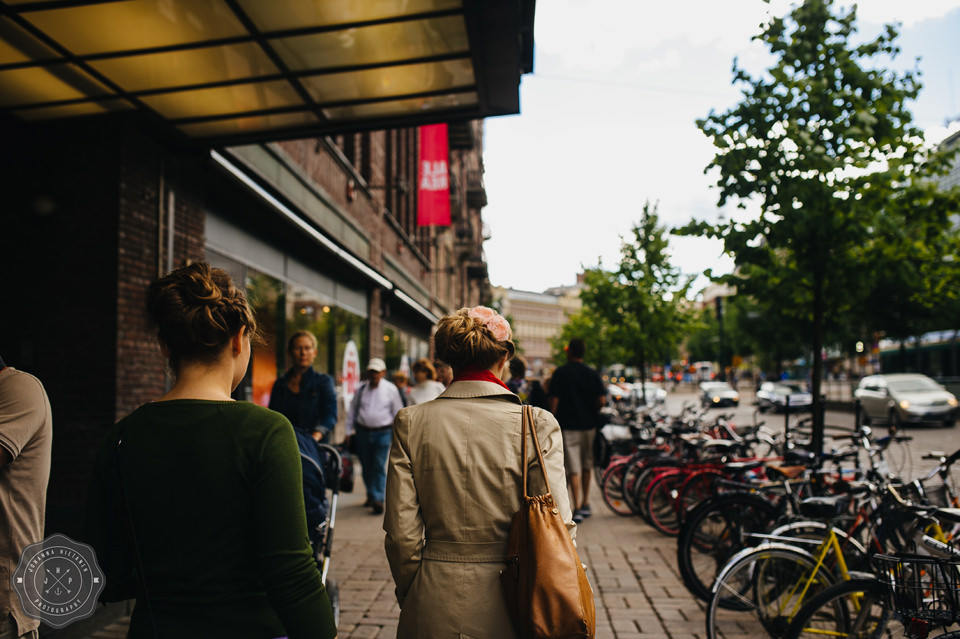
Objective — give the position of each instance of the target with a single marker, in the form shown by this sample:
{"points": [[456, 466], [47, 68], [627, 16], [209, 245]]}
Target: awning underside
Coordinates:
{"points": [[229, 71]]}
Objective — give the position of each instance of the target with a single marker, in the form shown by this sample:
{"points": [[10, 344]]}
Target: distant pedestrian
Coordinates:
{"points": [[26, 437], [426, 386], [517, 382], [538, 394], [196, 504], [402, 382], [444, 373], [307, 398], [454, 484], [576, 397], [370, 422]]}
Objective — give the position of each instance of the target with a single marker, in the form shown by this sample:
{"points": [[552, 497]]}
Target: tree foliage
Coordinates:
{"points": [[824, 145], [633, 315]]}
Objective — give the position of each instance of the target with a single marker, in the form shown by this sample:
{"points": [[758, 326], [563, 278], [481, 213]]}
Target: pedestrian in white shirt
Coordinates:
{"points": [[370, 421], [426, 386]]}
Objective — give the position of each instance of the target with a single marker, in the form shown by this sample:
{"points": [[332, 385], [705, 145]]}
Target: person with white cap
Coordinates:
{"points": [[370, 424]]}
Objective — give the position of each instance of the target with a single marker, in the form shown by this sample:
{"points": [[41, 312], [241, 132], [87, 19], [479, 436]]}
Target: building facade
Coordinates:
{"points": [[278, 141], [538, 318], [322, 232]]}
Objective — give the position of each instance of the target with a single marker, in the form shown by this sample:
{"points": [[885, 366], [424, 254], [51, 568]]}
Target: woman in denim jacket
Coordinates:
{"points": [[307, 398]]}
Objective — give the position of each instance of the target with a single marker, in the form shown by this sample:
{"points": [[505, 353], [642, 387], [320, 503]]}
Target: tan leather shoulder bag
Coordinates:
{"points": [[544, 583]]}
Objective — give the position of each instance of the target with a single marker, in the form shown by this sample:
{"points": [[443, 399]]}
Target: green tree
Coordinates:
{"points": [[590, 325], [824, 144], [639, 305]]}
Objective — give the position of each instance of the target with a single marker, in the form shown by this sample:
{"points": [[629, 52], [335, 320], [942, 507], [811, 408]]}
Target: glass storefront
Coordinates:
{"points": [[265, 295], [399, 343], [282, 307]]}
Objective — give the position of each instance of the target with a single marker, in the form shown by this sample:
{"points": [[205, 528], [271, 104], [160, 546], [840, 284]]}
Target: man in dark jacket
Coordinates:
{"points": [[576, 397]]}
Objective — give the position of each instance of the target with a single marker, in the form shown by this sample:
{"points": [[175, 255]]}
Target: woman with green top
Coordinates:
{"points": [[196, 504]]}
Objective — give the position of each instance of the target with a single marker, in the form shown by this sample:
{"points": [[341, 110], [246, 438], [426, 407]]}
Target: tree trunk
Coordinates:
{"points": [[816, 444]]}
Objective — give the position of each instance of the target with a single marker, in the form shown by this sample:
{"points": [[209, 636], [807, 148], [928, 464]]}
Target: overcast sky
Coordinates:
{"points": [[608, 122]]}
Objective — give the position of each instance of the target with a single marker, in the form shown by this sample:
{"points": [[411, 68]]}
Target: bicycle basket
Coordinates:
{"points": [[923, 588], [936, 495]]}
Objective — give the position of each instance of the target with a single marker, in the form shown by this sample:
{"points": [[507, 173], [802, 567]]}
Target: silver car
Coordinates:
{"points": [[655, 395], [774, 396], [714, 394], [905, 398]]}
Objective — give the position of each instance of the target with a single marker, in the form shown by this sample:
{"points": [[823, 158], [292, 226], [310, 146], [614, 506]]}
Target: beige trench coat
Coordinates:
{"points": [[453, 485]]}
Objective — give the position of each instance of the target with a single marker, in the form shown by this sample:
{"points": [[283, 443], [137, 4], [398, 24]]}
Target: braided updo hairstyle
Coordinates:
{"points": [[197, 310], [465, 342]]}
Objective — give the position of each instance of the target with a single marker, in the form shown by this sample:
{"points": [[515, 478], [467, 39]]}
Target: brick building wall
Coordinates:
{"points": [[143, 255], [58, 289]]}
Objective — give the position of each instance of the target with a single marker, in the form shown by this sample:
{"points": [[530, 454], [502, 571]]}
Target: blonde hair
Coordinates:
{"points": [[197, 310], [465, 342], [423, 364], [293, 339]]}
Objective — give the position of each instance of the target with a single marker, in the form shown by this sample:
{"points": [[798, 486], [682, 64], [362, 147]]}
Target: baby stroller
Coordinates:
{"points": [[322, 469]]}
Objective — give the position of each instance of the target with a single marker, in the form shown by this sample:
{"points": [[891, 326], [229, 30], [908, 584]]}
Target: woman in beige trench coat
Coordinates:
{"points": [[454, 483]]}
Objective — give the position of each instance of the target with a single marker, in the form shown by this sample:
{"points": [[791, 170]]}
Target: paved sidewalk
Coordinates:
{"points": [[639, 594]]}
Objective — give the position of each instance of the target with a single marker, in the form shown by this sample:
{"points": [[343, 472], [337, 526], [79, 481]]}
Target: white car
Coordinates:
{"points": [[774, 395], [905, 398], [656, 396], [713, 394]]}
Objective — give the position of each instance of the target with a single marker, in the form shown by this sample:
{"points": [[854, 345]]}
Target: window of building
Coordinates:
{"points": [[282, 308]]}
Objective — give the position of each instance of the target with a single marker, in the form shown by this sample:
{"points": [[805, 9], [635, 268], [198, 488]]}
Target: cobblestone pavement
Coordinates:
{"points": [[638, 592]]}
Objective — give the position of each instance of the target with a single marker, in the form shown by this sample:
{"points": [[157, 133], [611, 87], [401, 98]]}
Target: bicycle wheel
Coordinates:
{"points": [[635, 483], [641, 488], [612, 488], [856, 609], [761, 589], [697, 488], [952, 481], [662, 502], [715, 530]]}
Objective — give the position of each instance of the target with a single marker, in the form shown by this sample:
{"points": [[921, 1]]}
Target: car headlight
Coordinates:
{"points": [[736, 398], [904, 404], [952, 401], [716, 400]]}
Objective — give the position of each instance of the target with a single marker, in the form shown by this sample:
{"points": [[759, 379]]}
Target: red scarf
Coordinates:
{"points": [[478, 375]]}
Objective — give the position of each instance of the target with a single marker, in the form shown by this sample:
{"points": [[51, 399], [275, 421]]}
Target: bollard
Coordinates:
{"points": [[786, 424]]}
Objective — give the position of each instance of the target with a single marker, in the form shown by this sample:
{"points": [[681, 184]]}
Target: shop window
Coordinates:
{"points": [[266, 297], [348, 327], [307, 311], [402, 349]]}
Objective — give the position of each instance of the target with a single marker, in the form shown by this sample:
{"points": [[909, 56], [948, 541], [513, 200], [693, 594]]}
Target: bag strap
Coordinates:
{"points": [[526, 420]]}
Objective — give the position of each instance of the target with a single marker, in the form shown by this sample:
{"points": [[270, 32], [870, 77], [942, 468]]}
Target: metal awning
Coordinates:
{"points": [[219, 72]]}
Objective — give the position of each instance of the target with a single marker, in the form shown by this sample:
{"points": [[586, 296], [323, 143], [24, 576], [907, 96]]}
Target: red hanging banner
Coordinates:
{"points": [[433, 194]]}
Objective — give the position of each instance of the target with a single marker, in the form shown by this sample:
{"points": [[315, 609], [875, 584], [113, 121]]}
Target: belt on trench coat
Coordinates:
{"points": [[464, 551]]}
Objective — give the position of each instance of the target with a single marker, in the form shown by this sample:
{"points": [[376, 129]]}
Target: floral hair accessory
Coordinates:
{"points": [[495, 323]]}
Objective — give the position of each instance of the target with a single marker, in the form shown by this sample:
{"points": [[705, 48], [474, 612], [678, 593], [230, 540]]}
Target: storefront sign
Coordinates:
{"points": [[433, 194], [350, 373]]}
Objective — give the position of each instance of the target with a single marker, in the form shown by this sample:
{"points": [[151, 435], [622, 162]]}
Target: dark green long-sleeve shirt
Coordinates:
{"points": [[215, 493]]}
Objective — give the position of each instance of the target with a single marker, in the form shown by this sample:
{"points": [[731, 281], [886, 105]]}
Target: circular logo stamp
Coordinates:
{"points": [[58, 580]]}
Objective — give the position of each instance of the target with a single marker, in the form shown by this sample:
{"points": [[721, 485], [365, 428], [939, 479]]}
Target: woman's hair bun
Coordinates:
{"points": [[197, 310], [468, 338]]}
